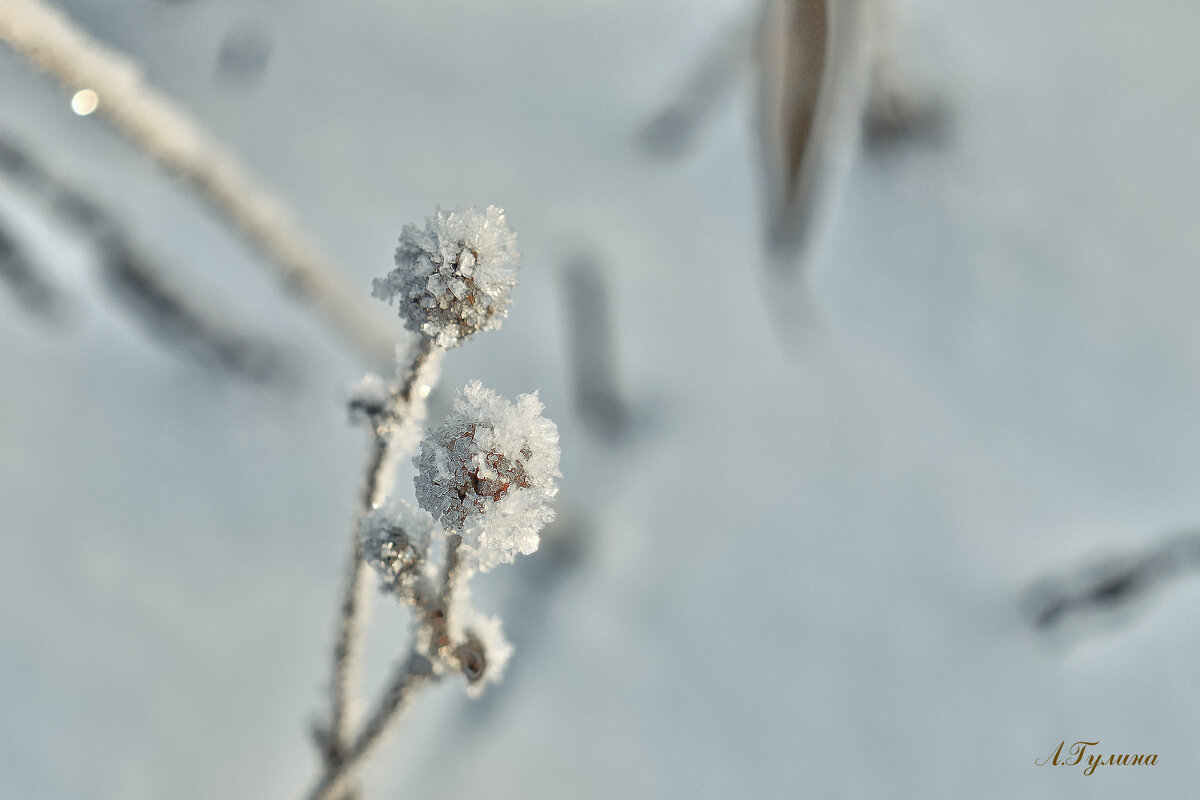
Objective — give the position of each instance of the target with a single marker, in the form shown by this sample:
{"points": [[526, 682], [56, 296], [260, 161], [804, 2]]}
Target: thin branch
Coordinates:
{"points": [[52, 43], [414, 673], [348, 646]]}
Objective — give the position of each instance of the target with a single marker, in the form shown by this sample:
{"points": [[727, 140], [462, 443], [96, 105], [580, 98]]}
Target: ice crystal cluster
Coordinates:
{"points": [[453, 278], [396, 540], [484, 482], [488, 473]]}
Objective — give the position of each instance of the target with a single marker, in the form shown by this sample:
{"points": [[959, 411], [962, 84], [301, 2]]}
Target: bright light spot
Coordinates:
{"points": [[424, 389], [84, 102]]}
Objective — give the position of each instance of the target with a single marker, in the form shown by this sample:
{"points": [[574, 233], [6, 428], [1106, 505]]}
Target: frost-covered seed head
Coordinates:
{"points": [[472, 658], [453, 278], [488, 473], [395, 541], [483, 651]]}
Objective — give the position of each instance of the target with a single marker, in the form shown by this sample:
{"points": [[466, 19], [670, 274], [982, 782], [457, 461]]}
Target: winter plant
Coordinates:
{"points": [[485, 478]]}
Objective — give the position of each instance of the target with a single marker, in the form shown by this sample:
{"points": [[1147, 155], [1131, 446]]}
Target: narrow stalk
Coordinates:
{"points": [[437, 608], [414, 673], [348, 645]]}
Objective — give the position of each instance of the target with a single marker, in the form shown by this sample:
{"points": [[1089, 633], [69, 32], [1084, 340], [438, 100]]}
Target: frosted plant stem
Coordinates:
{"points": [[51, 42], [415, 672], [348, 646]]}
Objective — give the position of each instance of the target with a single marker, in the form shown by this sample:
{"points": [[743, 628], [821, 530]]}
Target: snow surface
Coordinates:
{"points": [[801, 574]]}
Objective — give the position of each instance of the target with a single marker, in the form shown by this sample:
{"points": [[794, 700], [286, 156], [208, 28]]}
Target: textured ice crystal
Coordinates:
{"points": [[453, 278], [395, 540], [488, 473]]}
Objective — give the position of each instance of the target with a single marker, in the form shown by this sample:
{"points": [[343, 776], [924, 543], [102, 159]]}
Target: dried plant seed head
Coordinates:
{"points": [[488, 473], [482, 650], [395, 541], [453, 279]]}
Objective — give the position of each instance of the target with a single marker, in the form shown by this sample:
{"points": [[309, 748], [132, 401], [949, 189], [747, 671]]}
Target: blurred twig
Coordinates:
{"points": [[51, 42], [814, 57]]}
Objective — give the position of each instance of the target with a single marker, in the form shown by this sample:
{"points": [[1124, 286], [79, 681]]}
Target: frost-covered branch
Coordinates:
{"points": [[51, 42], [413, 674], [484, 481], [400, 410]]}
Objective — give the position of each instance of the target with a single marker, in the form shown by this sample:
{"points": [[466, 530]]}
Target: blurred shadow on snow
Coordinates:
{"points": [[245, 53], [165, 311], [170, 312], [679, 125], [903, 115], [32, 290], [1105, 593], [594, 379]]}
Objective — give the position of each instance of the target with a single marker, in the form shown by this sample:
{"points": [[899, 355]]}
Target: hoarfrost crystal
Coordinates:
{"points": [[395, 541], [488, 473], [453, 278], [484, 650]]}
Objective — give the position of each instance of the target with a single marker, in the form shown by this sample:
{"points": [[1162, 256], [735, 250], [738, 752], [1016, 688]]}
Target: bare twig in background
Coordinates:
{"points": [[813, 59], [593, 360], [50, 41], [1111, 584]]}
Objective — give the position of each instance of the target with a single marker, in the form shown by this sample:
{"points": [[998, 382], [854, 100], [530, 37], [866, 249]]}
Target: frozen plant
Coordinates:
{"points": [[484, 482], [488, 474], [453, 278]]}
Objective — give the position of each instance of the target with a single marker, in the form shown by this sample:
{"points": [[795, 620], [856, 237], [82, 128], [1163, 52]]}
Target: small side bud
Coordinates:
{"points": [[395, 541], [482, 651]]}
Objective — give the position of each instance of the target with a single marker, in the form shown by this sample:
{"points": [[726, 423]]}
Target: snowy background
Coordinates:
{"points": [[792, 569]]}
